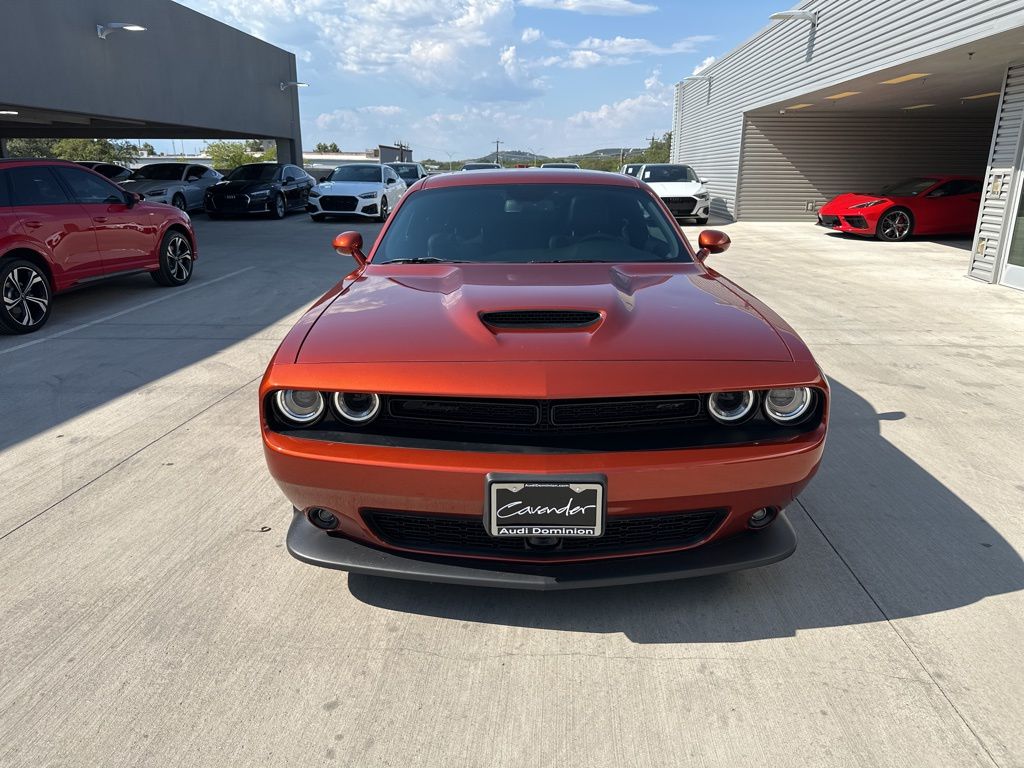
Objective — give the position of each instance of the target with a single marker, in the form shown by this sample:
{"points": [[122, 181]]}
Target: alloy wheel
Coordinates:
{"points": [[895, 225], [178, 202], [279, 206], [26, 296], [179, 258]]}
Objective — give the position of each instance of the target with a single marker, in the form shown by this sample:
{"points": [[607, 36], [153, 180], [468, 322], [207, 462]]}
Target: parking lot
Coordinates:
{"points": [[152, 617]]}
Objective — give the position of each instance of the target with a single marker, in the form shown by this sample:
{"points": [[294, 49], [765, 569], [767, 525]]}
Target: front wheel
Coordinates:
{"points": [[26, 296], [701, 222], [178, 201], [894, 226], [318, 217], [175, 260], [278, 207], [383, 210]]}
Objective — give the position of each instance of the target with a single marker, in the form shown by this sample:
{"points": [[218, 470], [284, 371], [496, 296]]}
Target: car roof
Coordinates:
{"points": [[529, 176], [37, 160]]}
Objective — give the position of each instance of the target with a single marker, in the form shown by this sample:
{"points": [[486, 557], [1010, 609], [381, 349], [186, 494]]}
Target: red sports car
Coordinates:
{"points": [[533, 381], [63, 226], [928, 205]]}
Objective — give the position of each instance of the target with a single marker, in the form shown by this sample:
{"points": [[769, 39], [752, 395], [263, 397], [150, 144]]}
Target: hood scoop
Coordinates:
{"points": [[540, 319]]}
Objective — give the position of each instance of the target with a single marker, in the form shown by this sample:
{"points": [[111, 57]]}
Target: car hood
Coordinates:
{"points": [[348, 187], [431, 313], [676, 188], [239, 187], [846, 201], [145, 185]]}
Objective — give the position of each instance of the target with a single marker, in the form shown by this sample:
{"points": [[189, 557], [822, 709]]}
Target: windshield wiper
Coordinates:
{"points": [[424, 260]]}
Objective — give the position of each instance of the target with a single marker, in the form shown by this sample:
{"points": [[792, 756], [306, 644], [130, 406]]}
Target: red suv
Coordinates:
{"points": [[63, 226]]}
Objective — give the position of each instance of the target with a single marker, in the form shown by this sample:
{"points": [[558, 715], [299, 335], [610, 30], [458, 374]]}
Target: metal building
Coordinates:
{"points": [[77, 69], [841, 95]]}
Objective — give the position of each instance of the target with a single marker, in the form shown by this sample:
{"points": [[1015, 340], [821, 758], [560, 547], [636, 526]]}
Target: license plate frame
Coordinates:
{"points": [[560, 496]]}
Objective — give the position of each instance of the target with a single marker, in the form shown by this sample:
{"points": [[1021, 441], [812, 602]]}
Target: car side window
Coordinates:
{"points": [[955, 187], [194, 172], [36, 185], [5, 195], [87, 188], [295, 173]]}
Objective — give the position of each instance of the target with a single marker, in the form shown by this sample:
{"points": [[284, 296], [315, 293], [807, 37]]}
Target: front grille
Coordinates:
{"points": [[828, 221], [857, 222], [542, 416], [680, 205], [239, 203], [340, 203], [540, 319], [448, 534]]}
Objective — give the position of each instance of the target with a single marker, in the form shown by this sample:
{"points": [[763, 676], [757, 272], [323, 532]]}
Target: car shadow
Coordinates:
{"points": [[880, 538], [962, 243]]}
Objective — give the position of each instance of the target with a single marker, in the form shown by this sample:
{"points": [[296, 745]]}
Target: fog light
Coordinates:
{"points": [[322, 518], [761, 517]]}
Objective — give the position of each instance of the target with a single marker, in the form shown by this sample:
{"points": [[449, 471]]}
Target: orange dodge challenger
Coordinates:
{"points": [[533, 381]]}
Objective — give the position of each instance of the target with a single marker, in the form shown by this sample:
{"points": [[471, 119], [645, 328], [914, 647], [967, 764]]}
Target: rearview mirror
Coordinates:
{"points": [[712, 241], [350, 244]]}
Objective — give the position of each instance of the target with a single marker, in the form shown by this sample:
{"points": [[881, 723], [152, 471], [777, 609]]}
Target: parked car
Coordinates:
{"points": [[575, 166], [410, 173], [63, 226], [481, 167], [111, 171], [259, 188], [357, 189], [182, 185], [682, 190], [631, 169], [498, 393], [926, 205]]}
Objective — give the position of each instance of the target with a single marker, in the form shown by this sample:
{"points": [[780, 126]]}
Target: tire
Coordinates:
{"points": [[26, 295], [895, 225], [701, 222], [384, 212], [280, 207], [175, 260], [213, 215], [178, 201], [318, 217]]}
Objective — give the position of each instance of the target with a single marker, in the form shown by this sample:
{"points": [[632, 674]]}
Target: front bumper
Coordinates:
{"points": [[856, 223], [237, 204], [688, 207], [343, 205], [751, 549]]}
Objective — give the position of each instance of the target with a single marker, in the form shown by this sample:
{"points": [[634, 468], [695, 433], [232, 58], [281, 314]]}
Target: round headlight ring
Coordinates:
{"points": [[731, 407], [788, 405], [300, 407], [356, 407]]}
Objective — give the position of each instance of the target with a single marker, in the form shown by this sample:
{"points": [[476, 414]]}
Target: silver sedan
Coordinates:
{"points": [[179, 184]]}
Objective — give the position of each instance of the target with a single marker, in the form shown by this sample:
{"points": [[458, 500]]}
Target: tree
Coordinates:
{"points": [[325, 147], [231, 154], [148, 149], [658, 151], [101, 150], [31, 147]]}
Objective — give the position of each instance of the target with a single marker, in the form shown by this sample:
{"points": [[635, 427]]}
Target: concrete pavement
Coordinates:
{"points": [[150, 618]]}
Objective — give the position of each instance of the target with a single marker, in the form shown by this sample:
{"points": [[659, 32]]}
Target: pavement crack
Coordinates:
{"points": [[900, 635], [130, 456]]}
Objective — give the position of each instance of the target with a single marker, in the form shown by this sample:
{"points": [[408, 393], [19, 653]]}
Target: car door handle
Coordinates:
{"points": [[100, 219], [33, 224]]}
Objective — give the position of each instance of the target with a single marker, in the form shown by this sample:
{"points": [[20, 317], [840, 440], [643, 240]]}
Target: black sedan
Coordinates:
{"points": [[259, 188]]}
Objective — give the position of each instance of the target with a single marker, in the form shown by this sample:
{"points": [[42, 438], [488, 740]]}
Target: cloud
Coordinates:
{"points": [[633, 46], [650, 108], [704, 65], [582, 59], [594, 7], [531, 35], [358, 119]]}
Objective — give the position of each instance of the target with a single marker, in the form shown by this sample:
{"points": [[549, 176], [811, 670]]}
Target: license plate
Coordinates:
{"points": [[573, 506], [230, 197]]}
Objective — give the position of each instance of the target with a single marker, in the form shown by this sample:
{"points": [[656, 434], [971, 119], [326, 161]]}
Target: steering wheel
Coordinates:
{"points": [[597, 236]]}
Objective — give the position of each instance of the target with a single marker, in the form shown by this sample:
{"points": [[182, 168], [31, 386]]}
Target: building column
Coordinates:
{"points": [[289, 151], [3, 147]]}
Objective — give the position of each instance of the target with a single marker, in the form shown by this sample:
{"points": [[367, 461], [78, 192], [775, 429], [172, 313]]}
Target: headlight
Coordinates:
{"points": [[356, 407], [301, 407], [156, 192], [260, 193], [868, 204], [702, 195], [314, 193], [731, 407], [368, 196], [786, 406]]}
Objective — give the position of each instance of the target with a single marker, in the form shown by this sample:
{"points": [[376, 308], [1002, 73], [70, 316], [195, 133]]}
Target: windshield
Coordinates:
{"points": [[526, 223], [369, 173], [908, 187], [480, 166], [159, 172], [631, 169], [669, 173], [559, 165], [256, 172], [407, 171]]}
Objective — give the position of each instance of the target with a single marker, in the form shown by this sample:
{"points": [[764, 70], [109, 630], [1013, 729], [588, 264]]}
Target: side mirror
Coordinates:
{"points": [[389, 182], [323, 179], [712, 241], [131, 198], [350, 244], [705, 180], [289, 179]]}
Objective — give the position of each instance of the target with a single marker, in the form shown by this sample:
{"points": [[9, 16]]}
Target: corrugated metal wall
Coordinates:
{"points": [[852, 38], [793, 163], [1004, 152]]}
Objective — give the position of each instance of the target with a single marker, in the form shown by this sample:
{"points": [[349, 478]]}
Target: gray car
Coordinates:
{"points": [[179, 184]]}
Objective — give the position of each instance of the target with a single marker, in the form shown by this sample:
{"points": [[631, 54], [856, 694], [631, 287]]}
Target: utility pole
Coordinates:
{"points": [[497, 145]]}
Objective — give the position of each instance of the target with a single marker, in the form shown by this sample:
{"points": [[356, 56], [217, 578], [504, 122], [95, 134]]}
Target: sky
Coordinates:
{"points": [[554, 77]]}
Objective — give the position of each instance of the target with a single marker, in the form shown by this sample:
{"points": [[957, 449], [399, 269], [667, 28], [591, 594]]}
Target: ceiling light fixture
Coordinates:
{"points": [[843, 95], [799, 106], [906, 78], [102, 30], [917, 106], [8, 111], [988, 95]]}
